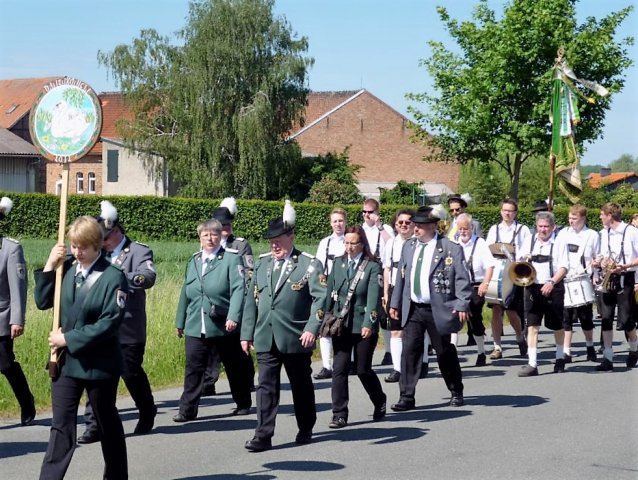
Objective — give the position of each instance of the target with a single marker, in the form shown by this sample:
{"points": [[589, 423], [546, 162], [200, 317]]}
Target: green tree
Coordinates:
{"points": [[624, 163], [330, 190], [216, 104], [403, 193], [484, 181], [492, 90]]}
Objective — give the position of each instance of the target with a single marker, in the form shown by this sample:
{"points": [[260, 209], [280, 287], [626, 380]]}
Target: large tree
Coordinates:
{"points": [[217, 103], [492, 89]]}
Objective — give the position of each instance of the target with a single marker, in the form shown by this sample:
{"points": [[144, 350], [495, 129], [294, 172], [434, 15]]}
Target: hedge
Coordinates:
{"points": [[35, 215]]}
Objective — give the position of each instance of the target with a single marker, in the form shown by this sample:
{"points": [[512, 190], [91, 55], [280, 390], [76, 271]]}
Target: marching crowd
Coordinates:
{"points": [[417, 280]]}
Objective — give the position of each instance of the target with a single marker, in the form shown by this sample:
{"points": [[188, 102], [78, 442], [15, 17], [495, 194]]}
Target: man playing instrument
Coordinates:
{"points": [[582, 246]]}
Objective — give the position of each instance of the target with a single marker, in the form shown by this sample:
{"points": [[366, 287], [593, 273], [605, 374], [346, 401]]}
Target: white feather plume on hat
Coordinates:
{"points": [[108, 214], [231, 204], [439, 211], [289, 216], [467, 197], [6, 204]]}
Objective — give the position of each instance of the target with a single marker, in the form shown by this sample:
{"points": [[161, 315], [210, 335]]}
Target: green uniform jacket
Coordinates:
{"points": [[93, 347], [364, 303], [222, 285], [282, 315]]}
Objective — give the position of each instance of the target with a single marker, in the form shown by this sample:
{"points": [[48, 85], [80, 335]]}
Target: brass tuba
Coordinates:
{"points": [[522, 274]]}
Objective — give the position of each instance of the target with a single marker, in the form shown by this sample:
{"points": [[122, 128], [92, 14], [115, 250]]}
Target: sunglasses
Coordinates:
{"points": [[455, 209], [369, 212], [404, 222]]}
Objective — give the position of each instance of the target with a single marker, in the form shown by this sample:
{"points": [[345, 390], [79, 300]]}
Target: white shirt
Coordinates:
{"points": [[374, 237], [116, 251], [427, 253], [505, 234], [584, 244], [336, 246], [482, 258], [611, 239], [393, 255], [558, 252], [85, 271]]}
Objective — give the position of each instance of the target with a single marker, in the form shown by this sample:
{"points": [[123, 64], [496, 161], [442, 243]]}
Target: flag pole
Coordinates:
{"points": [[560, 53]]}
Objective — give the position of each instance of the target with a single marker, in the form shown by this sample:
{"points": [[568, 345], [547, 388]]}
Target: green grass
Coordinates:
{"points": [[164, 359]]}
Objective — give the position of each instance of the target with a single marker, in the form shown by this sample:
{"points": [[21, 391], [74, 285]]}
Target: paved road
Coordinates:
{"points": [[580, 425]]}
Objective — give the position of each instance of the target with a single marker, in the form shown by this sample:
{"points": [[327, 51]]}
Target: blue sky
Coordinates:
{"points": [[372, 44]]}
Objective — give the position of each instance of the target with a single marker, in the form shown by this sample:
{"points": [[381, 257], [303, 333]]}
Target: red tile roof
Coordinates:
{"points": [[17, 96], [113, 109], [596, 181]]}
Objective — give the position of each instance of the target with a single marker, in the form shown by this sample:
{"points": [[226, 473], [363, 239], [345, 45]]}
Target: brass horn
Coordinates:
{"points": [[522, 274]]}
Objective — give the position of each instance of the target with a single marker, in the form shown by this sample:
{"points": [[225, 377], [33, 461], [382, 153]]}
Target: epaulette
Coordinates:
{"points": [[231, 250], [196, 254], [267, 254], [309, 255], [143, 244], [240, 239], [12, 240]]}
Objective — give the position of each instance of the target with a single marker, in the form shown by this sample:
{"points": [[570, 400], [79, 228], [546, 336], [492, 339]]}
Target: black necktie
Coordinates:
{"points": [[351, 264]]}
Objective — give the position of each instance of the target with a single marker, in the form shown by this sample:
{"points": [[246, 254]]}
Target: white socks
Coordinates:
{"points": [[325, 345], [531, 353], [396, 348]]}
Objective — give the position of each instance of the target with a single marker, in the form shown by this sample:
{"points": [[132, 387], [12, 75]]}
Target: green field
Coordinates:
{"points": [[164, 360]]}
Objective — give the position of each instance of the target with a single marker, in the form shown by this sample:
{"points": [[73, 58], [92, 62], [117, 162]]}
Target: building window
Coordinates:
{"points": [[91, 182], [79, 182], [112, 164]]}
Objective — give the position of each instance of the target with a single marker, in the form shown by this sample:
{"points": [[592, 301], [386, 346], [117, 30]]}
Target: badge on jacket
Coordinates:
{"points": [[121, 298]]}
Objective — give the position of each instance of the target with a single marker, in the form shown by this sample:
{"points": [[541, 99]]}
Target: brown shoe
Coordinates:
{"points": [[496, 354]]}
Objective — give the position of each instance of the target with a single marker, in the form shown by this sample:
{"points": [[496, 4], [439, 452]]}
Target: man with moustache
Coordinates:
{"points": [[432, 293]]}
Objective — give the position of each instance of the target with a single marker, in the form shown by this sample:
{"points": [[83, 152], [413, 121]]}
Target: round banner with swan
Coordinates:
{"points": [[65, 120]]}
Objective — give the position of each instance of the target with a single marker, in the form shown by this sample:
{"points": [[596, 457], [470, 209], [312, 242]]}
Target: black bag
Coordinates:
{"points": [[331, 325]]}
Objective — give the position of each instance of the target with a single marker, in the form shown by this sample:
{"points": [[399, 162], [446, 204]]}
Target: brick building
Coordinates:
{"points": [[378, 139]]}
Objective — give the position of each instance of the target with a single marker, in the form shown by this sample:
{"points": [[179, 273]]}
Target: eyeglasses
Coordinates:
{"points": [[369, 212], [455, 209], [351, 244], [404, 222], [508, 211]]}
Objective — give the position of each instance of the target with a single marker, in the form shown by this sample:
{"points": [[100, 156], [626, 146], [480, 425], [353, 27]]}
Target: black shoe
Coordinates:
{"points": [[181, 418], [323, 374], [304, 438], [559, 366], [338, 422], [209, 390], [605, 366], [146, 422], [402, 406], [379, 410], [528, 371], [393, 377], [424, 370], [238, 412], [457, 400], [632, 359], [522, 347], [481, 360], [591, 354], [568, 358], [87, 437], [27, 414], [471, 341], [387, 359], [258, 445]]}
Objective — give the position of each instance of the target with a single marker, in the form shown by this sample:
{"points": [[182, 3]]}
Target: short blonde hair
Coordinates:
{"points": [[212, 225], [85, 231]]}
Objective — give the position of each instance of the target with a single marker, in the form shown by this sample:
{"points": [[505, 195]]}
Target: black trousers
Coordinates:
{"points": [[197, 353], [420, 319], [14, 374], [475, 325], [627, 309], [363, 351], [298, 368], [136, 382], [214, 368], [66, 393]]}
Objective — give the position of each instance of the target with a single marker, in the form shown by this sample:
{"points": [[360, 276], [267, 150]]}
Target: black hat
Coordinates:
{"points": [[284, 224], [424, 215], [458, 199], [277, 227], [540, 206], [223, 215]]}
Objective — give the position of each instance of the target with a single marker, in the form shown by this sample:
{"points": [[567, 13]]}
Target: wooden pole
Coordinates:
{"points": [[59, 272]]}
